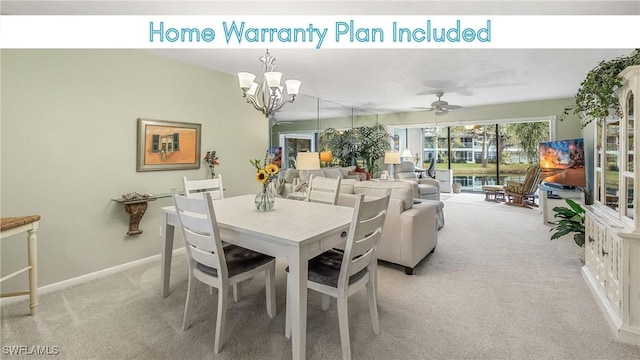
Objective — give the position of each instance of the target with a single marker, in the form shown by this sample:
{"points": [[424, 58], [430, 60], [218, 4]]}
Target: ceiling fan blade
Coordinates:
{"points": [[450, 107], [465, 109], [428, 92], [424, 108]]}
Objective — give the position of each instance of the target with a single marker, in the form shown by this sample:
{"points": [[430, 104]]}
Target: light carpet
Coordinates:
{"points": [[495, 288]]}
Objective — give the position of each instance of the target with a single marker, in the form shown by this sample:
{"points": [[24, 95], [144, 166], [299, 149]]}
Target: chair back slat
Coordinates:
{"points": [[200, 231], [196, 188], [361, 262], [531, 179], [323, 190], [364, 235]]}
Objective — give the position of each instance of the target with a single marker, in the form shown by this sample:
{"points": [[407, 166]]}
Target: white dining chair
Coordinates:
{"points": [[215, 188], [340, 275], [214, 265], [198, 187], [323, 190]]}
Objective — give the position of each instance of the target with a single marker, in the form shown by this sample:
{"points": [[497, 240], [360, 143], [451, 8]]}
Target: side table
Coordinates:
{"points": [[493, 193], [14, 225]]}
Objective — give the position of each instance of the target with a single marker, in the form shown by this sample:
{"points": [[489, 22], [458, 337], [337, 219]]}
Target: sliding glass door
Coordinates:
{"points": [[485, 154]]}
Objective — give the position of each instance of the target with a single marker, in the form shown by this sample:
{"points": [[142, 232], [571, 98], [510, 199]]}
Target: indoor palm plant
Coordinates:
{"points": [[571, 220], [373, 142], [363, 145]]}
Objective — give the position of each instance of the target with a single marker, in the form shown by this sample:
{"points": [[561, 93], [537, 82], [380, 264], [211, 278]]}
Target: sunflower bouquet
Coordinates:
{"points": [[265, 173]]}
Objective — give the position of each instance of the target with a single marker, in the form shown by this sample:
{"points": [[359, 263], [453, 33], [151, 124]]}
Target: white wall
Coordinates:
{"points": [[69, 146]]}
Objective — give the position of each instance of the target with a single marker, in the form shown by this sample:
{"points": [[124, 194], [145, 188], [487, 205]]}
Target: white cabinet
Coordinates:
{"points": [[612, 224]]}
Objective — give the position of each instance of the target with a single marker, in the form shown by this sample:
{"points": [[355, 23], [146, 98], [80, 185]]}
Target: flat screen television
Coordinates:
{"points": [[562, 163]]}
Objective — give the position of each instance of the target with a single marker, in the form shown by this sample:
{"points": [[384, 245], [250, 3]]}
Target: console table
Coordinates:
{"points": [[136, 209], [547, 204], [14, 225]]}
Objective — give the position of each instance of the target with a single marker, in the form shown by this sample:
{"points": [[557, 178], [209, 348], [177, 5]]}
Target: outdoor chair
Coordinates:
{"points": [[340, 275], [523, 193], [217, 266]]}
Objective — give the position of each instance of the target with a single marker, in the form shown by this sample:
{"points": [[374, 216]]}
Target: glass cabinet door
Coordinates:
{"points": [[611, 165], [629, 173], [598, 160]]}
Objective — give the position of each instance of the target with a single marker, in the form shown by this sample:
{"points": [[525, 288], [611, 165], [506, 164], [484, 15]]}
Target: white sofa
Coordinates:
{"points": [[292, 180], [411, 226]]}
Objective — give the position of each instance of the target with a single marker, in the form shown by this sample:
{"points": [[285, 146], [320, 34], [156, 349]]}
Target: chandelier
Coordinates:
{"points": [[267, 96]]}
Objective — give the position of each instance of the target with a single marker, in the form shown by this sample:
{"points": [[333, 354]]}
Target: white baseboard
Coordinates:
{"points": [[88, 277]]}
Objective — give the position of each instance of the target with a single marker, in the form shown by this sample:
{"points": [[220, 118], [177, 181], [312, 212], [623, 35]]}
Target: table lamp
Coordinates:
{"points": [[308, 161], [392, 158], [326, 157], [406, 154]]}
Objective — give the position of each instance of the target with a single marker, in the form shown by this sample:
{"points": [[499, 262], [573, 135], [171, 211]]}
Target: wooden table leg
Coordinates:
{"points": [[298, 272], [33, 273], [166, 255]]}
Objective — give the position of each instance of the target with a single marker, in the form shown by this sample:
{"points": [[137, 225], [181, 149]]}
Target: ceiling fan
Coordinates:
{"points": [[442, 107], [273, 121]]}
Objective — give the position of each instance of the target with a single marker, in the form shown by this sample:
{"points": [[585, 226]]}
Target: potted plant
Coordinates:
{"points": [[373, 142], [341, 143], [571, 220], [364, 145], [597, 95]]}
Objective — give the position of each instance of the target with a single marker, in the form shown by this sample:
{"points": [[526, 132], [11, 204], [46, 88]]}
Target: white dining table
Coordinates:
{"points": [[294, 230]]}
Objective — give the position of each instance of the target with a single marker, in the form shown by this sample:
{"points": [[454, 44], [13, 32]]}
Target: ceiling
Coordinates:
{"points": [[384, 80]]}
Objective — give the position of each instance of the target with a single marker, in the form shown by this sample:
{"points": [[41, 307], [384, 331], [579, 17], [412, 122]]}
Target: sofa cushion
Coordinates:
{"points": [[306, 174], [400, 190], [332, 173], [346, 185], [290, 174]]}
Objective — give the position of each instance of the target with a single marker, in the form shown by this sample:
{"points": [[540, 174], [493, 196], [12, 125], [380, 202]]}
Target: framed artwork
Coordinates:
{"points": [[168, 145]]}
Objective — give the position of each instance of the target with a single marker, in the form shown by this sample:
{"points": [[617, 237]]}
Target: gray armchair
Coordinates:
{"points": [[423, 188]]}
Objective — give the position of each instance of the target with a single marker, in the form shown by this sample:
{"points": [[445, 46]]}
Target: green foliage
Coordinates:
{"points": [[341, 143], [571, 221], [366, 144], [372, 142], [596, 98], [529, 135]]}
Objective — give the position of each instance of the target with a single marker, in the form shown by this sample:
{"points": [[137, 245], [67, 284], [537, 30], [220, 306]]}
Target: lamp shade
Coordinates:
{"points": [[293, 87], [308, 161], [326, 156], [406, 154], [392, 157], [273, 78], [245, 79]]}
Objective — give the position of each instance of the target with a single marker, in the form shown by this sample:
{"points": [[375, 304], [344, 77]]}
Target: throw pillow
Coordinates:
{"points": [[361, 176], [302, 187], [346, 170], [332, 173]]}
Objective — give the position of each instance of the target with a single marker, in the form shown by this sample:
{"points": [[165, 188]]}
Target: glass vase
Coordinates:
{"points": [[264, 201]]}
